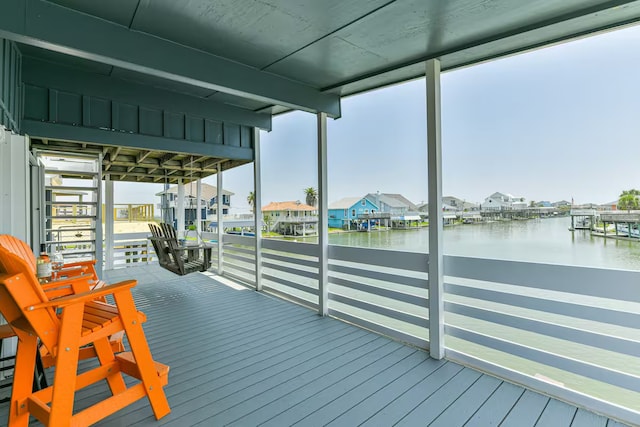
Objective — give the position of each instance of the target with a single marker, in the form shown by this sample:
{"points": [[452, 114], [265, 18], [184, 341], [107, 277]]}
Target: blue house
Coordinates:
{"points": [[344, 213]]}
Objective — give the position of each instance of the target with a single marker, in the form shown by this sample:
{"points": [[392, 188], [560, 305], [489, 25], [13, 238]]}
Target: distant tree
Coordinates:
{"points": [[311, 196], [251, 199], [629, 199], [532, 204], [267, 220]]}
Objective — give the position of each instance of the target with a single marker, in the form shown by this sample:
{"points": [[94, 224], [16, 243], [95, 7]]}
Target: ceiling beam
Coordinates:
{"points": [[50, 26], [142, 155], [64, 132], [45, 74]]}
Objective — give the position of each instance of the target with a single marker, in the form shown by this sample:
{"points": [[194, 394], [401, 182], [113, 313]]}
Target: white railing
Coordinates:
{"points": [[569, 331], [382, 290], [290, 269], [239, 258], [132, 249]]}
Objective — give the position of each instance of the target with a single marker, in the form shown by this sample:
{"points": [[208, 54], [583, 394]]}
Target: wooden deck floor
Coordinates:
{"points": [[243, 358]]}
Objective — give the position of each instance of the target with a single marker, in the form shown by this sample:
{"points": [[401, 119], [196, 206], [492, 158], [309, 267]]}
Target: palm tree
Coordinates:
{"points": [[311, 196], [628, 199], [251, 199]]}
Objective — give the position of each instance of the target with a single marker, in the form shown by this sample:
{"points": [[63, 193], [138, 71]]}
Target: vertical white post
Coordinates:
{"points": [[219, 210], [199, 209], [434, 166], [257, 206], [180, 210], [323, 218], [108, 221]]}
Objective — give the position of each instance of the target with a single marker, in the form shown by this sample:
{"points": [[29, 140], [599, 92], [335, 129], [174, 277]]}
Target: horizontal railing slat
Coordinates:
{"points": [[381, 329], [239, 257], [597, 282], [237, 239], [292, 260], [383, 311], [309, 249], [585, 369], [381, 257], [580, 336], [385, 277], [237, 249], [604, 315], [295, 271], [382, 292], [228, 266], [290, 284], [231, 275], [289, 296]]}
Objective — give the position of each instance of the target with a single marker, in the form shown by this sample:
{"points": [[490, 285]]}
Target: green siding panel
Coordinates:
{"points": [[127, 117], [245, 137], [231, 135], [150, 121], [213, 132], [36, 106], [10, 85], [99, 113], [195, 129], [154, 124], [69, 108], [174, 125]]}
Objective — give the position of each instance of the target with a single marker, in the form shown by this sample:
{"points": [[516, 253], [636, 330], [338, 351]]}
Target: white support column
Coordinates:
{"points": [[257, 205], [180, 210], [108, 221], [323, 218], [199, 209], [434, 166], [219, 210]]}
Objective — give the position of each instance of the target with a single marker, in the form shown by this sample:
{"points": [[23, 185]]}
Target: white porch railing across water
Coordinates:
{"points": [[132, 249], [290, 269], [385, 291], [571, 332], [568, 331], [239, 258]]}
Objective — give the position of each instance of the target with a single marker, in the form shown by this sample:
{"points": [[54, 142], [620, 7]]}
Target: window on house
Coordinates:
{"points": [[363, 202], [346, 212], [353, 212]]}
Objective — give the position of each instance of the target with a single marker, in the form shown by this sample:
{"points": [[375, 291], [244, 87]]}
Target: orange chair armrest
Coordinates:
{"points": [[80, 264], [87, 296], [67, 281]]}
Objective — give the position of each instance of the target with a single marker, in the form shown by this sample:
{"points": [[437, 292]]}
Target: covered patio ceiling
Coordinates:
{"points": [[188, 63], [138, 165]]}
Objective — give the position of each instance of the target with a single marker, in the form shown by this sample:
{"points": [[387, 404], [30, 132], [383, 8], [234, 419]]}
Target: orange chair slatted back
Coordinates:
{"points": [[20, 290], [20, 248]]}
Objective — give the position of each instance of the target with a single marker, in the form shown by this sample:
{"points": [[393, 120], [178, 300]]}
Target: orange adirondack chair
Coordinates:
{"points": [[69, 271], [77, 277], [64, 325]]}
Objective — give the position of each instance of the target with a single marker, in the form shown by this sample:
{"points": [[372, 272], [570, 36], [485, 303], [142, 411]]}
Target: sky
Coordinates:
{"points": [[558, 123]]}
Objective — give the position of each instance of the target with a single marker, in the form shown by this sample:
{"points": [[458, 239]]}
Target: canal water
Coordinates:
{"points": [[538, 240]]}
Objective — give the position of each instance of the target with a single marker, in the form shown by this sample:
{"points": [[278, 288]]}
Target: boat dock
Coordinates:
{"points": [[583, 219], [625, 224]]}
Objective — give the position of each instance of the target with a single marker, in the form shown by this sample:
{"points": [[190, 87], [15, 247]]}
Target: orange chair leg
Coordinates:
{"points": [[22, 381], [64, 381], [106, 356], [142, 354]]}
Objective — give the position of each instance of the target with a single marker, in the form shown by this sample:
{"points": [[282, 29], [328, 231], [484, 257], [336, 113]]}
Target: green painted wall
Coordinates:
{"points": [[10, 85], [77, 112]]}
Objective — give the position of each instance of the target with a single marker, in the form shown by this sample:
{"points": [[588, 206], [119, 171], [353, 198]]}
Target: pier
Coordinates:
{"points": [[583, 219], [625, 224]]}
